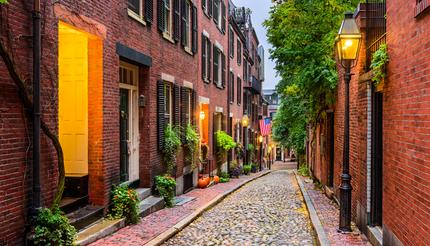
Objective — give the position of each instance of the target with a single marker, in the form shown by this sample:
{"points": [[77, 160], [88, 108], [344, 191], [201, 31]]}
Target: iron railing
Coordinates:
{"points": [[375, 27]]}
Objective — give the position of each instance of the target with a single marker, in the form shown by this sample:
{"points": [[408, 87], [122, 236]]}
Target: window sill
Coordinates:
{"points": [[206, 81], [168, 37], [188, 50], [136, 17], [422, 7]]}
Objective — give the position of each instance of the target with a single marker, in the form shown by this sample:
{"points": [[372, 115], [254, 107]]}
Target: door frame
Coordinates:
{"points": [[134, 135]]}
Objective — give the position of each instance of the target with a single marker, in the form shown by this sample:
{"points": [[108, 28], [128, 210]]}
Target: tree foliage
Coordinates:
{"points": [[302, 34]]}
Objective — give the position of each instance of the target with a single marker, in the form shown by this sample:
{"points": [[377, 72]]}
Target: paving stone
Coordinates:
{"points": [[267, 211]]}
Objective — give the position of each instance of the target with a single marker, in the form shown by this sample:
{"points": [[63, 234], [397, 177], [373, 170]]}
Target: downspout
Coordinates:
{"points": [[36, 107], [229, 126]]}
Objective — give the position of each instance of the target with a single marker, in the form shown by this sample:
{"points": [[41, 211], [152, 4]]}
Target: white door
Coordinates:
{"points": [[129, 80]]}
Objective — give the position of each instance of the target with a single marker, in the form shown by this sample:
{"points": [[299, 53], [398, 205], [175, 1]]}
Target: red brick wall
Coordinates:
{"points": [[406, 202]]}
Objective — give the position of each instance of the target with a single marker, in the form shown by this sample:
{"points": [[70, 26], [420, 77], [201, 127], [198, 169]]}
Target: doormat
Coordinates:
{"points": [[181, 200]]}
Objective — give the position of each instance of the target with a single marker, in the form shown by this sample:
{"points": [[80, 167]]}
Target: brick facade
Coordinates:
{"points": [[113, 27]]}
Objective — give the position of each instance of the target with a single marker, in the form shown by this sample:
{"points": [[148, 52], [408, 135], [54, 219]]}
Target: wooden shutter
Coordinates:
{"points": [[149, 15], [176, 19], [160, 15], [193, 107], [223, 17], [216, 65], [183, 23], [176, 104], [161, 123], [223, 73], [194, 43], [209, 60], [204, 57], [184, 108], [210, 7]]}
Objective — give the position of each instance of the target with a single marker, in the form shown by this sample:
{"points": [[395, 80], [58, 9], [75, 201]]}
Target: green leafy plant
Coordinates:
{"points": [[191, 145], [247, 169], [224, 175], [125, 204], [3, 1], [254, 167], [379, 61], [53, 228], [303, 170], [251, 152], [224, 144], [166, 187], [224, 180], [172, 144]]}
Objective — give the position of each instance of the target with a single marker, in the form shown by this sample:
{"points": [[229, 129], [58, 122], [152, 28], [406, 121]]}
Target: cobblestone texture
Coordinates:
{"points": [[328, 213], [156, 223], [267, 211]]}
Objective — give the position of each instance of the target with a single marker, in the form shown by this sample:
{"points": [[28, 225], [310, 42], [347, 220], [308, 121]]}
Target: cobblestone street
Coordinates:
{"points": [[267, 211]]}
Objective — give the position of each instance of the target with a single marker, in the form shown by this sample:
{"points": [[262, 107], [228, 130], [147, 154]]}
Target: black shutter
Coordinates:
{"points": [[215, 65], [223, 73], [177, 104], [224, 18], [231, 42], [239, 91], [176, 19], [232, 87], [161, 123], [193, 107], [209, 61], [149, 11], [204, 57], [183, 23], [195, 41], [160, 15], [210, 7], [204, 5], [184, 108], [224, 122]]}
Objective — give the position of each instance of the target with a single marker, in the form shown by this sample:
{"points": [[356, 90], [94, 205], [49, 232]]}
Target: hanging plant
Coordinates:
{"points": [[191, 145], [224, 144], [172, 144], [379, 61]]}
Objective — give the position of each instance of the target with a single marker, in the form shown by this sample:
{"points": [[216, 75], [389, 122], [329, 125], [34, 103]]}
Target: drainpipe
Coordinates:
{"points": [[229, 126], [36, 107]]}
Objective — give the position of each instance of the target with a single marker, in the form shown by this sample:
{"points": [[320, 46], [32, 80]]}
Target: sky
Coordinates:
{"points": [[260, 12]]}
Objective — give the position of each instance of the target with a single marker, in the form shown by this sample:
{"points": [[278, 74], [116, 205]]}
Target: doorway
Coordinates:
{"points": [[129, 122], [377, 161]]}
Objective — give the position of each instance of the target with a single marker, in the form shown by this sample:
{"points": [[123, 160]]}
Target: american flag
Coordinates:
{"points": [[265, 126]]}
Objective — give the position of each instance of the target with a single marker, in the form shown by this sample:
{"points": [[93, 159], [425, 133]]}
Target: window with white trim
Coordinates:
{"points": [[168, 106]]}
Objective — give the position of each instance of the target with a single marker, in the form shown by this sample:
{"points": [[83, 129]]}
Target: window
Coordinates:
{"points": [[218, 67], [168, 17], [186, 25], [239, 91], [168, 106], [206, 59], [219, 14], [186, 106], [231, 42], [216, 11], [135, 7], [239, 52], [245, 71], [231, 87], [421, 6]]}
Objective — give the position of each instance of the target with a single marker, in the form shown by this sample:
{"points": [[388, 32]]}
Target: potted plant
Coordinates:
{"points": [[224, 143], [247, 169], [254, 167], [166, 187], [224, 177], [235, 169], [125, 204]]}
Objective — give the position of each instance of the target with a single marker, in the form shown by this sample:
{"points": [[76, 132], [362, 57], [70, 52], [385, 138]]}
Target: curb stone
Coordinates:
{"points": [[316, 223], [166, 235]]}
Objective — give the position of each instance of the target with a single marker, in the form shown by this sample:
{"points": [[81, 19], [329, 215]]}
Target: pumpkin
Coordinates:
{"points": [[216, 179], [202, 183]]}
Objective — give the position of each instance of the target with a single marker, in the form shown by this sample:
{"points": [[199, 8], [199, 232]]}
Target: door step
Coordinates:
{"points": [[70, 204], [85, 216], [143, 193], [150, 205]]}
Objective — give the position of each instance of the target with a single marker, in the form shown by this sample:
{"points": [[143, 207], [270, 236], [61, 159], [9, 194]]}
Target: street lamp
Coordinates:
{"points": [[348, 45], [260, 140], [245, 123]]}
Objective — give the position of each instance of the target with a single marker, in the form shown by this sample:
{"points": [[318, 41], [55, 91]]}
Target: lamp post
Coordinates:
{"points": [[245, 123], [260, 140], [348, 45]]}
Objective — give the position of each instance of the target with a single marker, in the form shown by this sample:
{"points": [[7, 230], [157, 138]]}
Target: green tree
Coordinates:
{"points": [[303, 34]]}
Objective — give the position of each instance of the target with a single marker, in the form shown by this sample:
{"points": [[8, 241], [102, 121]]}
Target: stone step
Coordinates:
{"points": [[143, 193], [150, 205], [99, 230], [85, 216]]}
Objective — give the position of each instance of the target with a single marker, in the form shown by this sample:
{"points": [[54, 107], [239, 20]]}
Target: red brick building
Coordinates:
{"points": [[113, 77], [388, 124]]}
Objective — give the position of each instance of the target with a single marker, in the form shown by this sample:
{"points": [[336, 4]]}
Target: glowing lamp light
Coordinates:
{"points": [[260, 138], [348, 39], [245, 121], [202, 115]]}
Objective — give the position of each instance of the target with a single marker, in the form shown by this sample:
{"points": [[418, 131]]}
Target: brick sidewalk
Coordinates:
{"points": [[156, 223], [328, 213]]}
